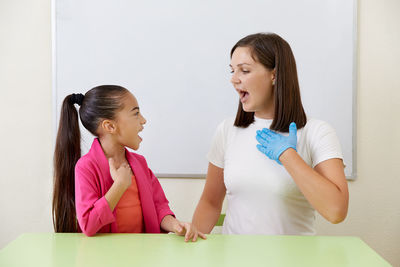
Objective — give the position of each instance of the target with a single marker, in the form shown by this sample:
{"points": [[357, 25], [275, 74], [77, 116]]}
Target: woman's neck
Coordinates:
{"points": [[112, 149], [267, 114], [267, 111]]}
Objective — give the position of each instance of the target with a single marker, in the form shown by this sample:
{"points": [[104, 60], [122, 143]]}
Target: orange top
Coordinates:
{"points": [[129, 211]]}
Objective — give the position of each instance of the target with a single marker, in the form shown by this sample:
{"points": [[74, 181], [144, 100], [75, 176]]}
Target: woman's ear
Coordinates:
{"points": [[273, 76], [108, 126]]}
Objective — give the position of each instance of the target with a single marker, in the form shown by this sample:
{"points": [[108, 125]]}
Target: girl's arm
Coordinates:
{"points": [[166, 217], [325, 186], [94, 211], [122, 177], [209, 208]]}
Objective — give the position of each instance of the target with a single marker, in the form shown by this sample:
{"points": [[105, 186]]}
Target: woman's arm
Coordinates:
{"points": [[325, 186], [209, 208]]}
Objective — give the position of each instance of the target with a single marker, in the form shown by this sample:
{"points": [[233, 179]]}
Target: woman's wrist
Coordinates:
{"points": [[287, 155]]}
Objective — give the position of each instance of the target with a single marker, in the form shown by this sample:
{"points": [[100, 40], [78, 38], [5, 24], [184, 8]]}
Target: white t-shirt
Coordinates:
{"points": [[262, 197]]}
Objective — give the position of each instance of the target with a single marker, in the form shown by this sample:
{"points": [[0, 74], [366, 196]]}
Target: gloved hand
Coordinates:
{"points": [[273, 144]]}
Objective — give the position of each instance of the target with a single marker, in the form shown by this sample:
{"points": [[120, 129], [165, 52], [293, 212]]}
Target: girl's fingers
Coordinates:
{"points": [[111, 163], [179, 230]]}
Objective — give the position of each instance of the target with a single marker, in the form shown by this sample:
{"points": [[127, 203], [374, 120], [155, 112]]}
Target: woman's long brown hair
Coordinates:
{"points": [[101, 102]]}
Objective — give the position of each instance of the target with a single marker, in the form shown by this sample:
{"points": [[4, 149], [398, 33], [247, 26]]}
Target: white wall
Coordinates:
{"points": [[26, 129], [26, 119]]}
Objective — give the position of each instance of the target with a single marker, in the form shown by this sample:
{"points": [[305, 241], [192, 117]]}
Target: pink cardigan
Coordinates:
{"points": [[92, 182]]}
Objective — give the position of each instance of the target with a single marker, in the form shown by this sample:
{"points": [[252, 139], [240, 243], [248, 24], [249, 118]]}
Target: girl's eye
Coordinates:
{"points": [[231, 71], [137, 113], [245, 71]]}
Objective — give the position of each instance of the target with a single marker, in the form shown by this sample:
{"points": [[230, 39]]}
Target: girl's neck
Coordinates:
{"points": [[112, 149]]}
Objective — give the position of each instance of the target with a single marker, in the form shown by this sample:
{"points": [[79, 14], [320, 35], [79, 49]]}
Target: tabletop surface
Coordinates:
{"points": [[49, 249]]}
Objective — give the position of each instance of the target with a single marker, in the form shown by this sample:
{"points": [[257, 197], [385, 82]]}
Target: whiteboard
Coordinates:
{"points": [[174, 57]]}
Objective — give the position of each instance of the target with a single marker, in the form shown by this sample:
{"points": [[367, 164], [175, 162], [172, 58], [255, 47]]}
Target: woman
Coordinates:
{"points": [[274, 181]]}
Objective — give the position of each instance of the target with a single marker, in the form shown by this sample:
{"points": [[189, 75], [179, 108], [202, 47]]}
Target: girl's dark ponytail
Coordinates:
{"points": [[67, 153]]}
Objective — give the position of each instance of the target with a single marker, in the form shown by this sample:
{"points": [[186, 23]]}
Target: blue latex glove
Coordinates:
{"points": [[273, 144]]}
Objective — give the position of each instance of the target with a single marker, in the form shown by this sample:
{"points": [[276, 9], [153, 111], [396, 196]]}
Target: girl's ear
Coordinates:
{"points": [[108, 126]]}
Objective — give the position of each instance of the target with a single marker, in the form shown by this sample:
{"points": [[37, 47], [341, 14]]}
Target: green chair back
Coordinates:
{"points": [[221, 219]]}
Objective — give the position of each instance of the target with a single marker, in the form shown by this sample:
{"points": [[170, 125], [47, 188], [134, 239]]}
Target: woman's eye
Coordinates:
{"points": [[245, 71], [232, 71], [137, 113]]}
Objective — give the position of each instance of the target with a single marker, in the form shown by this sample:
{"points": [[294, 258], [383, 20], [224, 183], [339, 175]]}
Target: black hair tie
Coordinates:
{"points": [[77, 99]]}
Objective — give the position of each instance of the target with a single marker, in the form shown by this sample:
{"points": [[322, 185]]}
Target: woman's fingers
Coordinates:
{"points": [[202, 235], [195, 237], [189, 233]]}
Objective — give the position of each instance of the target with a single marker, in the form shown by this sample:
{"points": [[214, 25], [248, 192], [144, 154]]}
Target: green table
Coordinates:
{"points": [[49, 249]]}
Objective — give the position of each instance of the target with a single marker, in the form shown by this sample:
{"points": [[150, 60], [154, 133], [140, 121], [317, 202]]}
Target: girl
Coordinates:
{"points": [[274, 182], [108, 190]]}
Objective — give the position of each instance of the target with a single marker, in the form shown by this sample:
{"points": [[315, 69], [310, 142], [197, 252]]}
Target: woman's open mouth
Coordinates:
{"points": [[244, 95]]}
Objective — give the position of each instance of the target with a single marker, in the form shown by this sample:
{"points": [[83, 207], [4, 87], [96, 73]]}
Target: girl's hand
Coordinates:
{"points": [[122, 175], [188, 230], [273, 144]]}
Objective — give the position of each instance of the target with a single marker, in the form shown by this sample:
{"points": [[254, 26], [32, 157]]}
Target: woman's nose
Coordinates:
{"points": [[234, 79]]}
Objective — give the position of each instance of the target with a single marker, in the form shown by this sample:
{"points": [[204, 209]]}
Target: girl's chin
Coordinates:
{"points": [[134, 146]]}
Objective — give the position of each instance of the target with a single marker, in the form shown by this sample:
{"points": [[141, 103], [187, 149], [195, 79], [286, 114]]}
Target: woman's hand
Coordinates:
{"points": [[273, 144], [121, 175], [188, 230], [170, 224]]}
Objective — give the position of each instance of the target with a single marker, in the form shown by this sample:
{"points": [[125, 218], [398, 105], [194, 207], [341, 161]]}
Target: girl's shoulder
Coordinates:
{"points": [[137, 157], [86, 162]]}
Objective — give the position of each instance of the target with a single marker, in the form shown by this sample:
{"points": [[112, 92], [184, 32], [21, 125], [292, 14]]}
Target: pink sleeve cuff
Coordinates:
{"points": [[164, 212], [103, 211]]}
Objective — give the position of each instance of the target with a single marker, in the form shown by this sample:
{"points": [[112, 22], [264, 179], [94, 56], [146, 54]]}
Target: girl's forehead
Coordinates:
{"points": [[130, 101]]}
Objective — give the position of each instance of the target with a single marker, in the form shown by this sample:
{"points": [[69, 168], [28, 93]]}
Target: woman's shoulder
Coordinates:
{"points": [[316, 129], [314, 124], [227, 124]]}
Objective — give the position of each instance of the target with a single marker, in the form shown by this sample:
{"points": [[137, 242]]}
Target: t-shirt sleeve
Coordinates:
{"points": [[216, 154], [324, 144]]}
